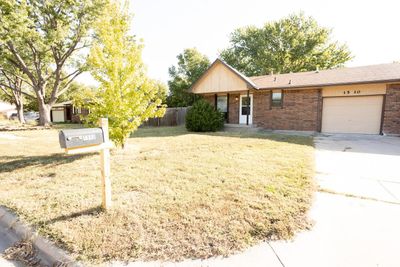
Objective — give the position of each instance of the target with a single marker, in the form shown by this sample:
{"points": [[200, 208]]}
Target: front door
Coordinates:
{"points": [[246, 107]]}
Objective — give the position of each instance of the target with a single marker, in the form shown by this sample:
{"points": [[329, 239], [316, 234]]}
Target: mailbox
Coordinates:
{"points": [[74, 138]]}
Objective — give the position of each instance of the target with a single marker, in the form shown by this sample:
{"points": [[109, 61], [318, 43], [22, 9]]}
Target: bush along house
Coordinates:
{"points": [[67, 112], [364, 100]]}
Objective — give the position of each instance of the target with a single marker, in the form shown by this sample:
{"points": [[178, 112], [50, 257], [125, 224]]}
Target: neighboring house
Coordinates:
{"points": [[66, 112], [344, 100], [7, 109]]}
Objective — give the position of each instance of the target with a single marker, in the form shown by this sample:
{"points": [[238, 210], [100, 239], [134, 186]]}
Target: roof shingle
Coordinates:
{"points": [[365, 74]]}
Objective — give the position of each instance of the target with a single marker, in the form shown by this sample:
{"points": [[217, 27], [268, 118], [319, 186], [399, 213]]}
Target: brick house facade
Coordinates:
{"points": [[299, 110], [67, 112], [345, 100]]}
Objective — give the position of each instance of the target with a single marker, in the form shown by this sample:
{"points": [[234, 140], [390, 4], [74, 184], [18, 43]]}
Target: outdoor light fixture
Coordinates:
{"points": [[236, 98]]}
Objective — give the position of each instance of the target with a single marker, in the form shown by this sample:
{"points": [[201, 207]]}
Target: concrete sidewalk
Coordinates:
{"points": [[348, 232]]}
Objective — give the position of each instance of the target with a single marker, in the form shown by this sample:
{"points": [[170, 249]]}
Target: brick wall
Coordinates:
{"points": [[210, 99], [301, 110], [234, 108], [391, 121]]}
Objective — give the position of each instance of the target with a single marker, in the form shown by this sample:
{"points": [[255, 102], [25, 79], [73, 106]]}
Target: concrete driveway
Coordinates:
{"points": [[358, 223], [359, 165]]}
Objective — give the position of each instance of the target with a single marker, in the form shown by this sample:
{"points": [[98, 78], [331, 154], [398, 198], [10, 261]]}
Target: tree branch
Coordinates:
{"points": [[5, 91], [78, 71], [17, 90], [67, 85], [21, 64], [17, 76]]}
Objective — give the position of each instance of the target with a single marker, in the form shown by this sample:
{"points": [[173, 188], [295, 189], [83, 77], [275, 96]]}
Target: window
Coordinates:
{"points": [[222, 103], [276, 98]]}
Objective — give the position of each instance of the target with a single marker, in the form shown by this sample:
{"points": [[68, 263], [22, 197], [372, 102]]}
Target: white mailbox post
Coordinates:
{"points": [[105, 166], [90, 140]]}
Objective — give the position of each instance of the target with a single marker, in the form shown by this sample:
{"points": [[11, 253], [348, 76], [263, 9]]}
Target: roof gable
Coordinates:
{"points": [[221, 78]]}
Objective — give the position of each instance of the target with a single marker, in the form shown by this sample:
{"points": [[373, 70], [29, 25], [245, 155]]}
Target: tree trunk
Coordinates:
{"points": [[44, 113], [20, 112]]}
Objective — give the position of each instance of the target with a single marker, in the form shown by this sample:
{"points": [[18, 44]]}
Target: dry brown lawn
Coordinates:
{"points": [[175, 194]]}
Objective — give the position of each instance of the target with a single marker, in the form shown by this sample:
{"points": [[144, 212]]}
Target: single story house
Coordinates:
{"points": [[362, 100], [66, 112]]}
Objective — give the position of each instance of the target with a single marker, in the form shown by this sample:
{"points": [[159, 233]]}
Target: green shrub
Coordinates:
{"points": [[202, 117]]}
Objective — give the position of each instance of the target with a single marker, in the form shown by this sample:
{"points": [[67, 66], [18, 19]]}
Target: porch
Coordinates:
{"points": [[237, 107]]}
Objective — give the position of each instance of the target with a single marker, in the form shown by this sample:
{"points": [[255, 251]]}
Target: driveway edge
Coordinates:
{"points": [[47, 252]]}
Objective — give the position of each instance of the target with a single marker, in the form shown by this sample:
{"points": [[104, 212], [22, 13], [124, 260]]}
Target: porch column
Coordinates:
{"points": [[248, 107], [227, 108], [215, 101]]}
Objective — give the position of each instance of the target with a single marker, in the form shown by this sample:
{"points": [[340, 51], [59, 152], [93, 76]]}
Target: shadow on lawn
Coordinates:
{"points": [[12, 163], [91, 211]]}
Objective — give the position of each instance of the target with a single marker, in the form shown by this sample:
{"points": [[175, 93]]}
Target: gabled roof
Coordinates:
{"points": [[381, 73], [340, 76], [242, 76], [246, 79]]}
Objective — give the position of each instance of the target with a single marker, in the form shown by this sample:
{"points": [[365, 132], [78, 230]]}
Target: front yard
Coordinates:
{"points": [[175, 194]]}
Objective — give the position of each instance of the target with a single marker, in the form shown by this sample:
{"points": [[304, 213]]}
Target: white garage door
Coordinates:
{"points": [[361, 114], [58, 115]]}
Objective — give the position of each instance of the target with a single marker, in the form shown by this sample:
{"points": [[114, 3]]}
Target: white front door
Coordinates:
{"points": [[246, 105]]}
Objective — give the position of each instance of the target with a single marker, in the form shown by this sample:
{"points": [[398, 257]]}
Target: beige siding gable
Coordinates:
{"points": [[219, 79]]}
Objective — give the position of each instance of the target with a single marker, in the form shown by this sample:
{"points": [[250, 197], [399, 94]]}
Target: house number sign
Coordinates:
{"points": [[351, 92]]}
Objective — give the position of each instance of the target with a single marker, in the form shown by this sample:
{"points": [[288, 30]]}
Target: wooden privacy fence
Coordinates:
{"points": [[172, 117]]}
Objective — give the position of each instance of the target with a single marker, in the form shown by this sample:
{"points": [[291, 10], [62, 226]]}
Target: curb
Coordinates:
{"points": [[47, 252]]}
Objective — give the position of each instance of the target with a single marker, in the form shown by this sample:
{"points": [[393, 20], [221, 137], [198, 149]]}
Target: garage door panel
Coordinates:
{"points": [[352, 114], [58, 116]]}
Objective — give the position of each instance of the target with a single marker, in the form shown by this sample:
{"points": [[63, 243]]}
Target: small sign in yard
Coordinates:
{"points": [[85, 140]]}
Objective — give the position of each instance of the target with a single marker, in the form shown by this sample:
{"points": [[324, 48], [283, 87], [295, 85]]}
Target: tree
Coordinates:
{"points": [[125, 95], [13, 87], [42, 40], [191, 65], [293, 44], [75, 89]]}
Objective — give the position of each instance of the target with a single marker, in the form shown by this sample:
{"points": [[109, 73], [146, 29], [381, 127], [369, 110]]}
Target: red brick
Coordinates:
{"points": [[391, 121], [301, 110]]}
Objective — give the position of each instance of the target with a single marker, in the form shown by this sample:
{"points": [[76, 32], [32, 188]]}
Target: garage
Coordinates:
{"points": [[58, 114], [352, 114]]}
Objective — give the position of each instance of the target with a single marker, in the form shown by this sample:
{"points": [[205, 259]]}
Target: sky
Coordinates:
{"points": [[371, 29]]}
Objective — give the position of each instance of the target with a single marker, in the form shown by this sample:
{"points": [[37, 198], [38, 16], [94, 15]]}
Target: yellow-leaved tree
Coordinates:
{"points": [[126, 96]]}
